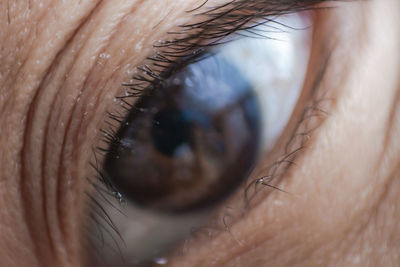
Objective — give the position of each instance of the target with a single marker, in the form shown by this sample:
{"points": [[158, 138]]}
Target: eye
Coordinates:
{"points": [[192, 138], [195, 134]]}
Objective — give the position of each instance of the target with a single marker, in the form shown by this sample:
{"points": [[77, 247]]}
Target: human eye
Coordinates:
{"points": [[193, 124], [319, 184]]}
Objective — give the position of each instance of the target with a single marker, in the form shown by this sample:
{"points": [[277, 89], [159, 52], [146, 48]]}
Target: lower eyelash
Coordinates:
{"points": [[312, 117]]}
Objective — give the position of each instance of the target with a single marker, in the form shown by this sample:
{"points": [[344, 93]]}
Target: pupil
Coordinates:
{"points": [[171, 129]]}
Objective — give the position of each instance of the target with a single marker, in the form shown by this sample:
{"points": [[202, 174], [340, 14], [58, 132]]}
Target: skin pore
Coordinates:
{"points": [[61, 64]]}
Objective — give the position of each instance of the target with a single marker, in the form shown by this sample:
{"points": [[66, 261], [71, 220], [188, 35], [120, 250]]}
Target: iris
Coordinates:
{"points": [[189, 142]]}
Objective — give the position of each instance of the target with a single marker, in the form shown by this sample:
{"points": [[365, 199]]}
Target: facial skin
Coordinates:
{"points": [[61, 64]]}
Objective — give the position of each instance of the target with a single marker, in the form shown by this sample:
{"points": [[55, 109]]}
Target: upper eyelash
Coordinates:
{"points": [[177, 53], [180, 51]]}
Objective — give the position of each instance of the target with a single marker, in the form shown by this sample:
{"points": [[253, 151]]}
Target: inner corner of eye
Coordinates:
{"points": [[190, 142]]}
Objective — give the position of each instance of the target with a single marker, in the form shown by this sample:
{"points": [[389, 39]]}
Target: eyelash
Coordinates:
{"points": [[221, 22]]}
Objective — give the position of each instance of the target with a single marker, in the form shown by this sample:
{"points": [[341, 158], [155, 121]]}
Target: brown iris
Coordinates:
{"points": [[188, 143]]}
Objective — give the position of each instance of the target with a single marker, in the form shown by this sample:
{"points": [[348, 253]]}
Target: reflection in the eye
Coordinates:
{"points": [[189, 141], [276, 69]]}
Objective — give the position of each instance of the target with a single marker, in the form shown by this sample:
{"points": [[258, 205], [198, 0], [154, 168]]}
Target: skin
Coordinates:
{"points": [[60, 62]]}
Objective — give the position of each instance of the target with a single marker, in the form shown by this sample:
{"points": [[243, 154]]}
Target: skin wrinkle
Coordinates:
{"points": [[75, 139], [64, 169], [13, 119], [54, 221], [65, 237], [53, 225], [349, 212]]}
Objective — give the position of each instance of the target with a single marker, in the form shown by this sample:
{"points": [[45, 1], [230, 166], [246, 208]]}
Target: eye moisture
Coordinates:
{"points": [[189, 142]]}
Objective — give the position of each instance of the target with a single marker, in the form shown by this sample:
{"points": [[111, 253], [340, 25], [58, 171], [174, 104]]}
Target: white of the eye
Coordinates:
{"points": [[275, 66]]}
